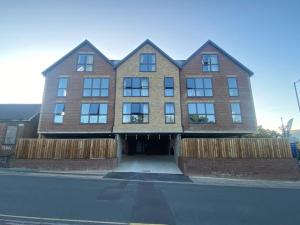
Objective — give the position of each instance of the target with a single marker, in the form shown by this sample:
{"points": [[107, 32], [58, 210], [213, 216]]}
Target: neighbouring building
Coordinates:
{"points": [[17, 121], [147, 100]]}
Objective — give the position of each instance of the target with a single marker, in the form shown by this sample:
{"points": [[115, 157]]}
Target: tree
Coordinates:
{"points": [[264, 133]]}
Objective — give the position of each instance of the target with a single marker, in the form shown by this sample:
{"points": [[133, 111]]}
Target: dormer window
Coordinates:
{"points": [[147, 62], [85, 62], [210, 63]]}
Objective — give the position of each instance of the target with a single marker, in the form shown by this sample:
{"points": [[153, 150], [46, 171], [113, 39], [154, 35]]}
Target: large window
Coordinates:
{"points": [[201, 113], [236, 113], [232, 86], [199, 87], [93, 113], [169, 112], [59, 112], [85, 62], [169, 86], [95, 87], [135, 113], [11, 135], [147, 62], [136, 86], [62, 87], [210, 63]]}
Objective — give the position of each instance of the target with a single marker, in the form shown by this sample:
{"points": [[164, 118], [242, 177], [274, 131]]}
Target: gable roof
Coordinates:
{"points": [[18, 112], [85, 42], [147, 41], [223, 52]]}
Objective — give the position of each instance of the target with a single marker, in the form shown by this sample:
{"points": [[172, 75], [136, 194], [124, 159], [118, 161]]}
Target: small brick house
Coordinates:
{"points": [[17, 121]]}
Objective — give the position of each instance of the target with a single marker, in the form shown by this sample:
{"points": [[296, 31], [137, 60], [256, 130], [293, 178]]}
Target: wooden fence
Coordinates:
{"points": [[65, 148], [235, 148]]}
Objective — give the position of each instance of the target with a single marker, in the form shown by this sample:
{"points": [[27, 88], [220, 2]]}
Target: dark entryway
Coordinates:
{"points": [[149, 145]]}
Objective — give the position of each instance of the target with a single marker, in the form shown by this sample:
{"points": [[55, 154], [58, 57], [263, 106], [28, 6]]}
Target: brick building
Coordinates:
{"points": [[147, 100]]}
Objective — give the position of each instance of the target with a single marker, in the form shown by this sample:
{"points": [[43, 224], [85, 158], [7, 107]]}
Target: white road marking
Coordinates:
{"points": [[60, 220]]}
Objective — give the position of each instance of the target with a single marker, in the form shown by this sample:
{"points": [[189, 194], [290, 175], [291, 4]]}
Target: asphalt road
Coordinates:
{"points": [[121, 202]]}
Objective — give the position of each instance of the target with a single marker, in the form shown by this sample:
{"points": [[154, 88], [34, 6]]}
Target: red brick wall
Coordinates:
{"points": [[221, 99], [286, 169], [74, 97]]}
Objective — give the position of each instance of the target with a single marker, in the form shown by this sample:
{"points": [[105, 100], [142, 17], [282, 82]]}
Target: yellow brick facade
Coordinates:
{"points": [[156, 99]]}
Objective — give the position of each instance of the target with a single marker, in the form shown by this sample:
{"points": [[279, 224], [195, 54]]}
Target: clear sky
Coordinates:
{"points": [[263, 35]]}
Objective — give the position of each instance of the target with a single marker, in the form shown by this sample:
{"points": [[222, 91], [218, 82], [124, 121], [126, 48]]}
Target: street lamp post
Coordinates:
{"points": [[297, 93]]}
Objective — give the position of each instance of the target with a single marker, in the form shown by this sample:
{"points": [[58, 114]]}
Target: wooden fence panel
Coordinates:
{"points": [[65, 148], [202, 148]]}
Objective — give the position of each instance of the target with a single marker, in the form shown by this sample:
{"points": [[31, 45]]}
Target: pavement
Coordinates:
{"points": [[27, 199]]}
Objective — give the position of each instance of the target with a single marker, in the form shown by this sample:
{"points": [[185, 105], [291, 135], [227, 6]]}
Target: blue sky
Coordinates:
{"points": [[263, 35]]}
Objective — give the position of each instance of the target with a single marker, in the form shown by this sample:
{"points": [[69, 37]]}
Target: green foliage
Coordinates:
{"points": [[264, 133]]}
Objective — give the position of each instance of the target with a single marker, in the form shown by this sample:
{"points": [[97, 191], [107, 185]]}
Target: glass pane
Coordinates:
{"points": [[84, 119], [89, 59], [59, 108], [199, 92], [127, 82], [151, 68], [236, 118], [87, 83], [208, 92], [85, 108], [214, 59], [143, 68], [169, 82], [88, 68], [93, 119], [210, 108], [206, 68], [193, 118], [95, 92], [215, 68], [61, 92], [80, 68], [232, 82], [96, 83], [58, 119], [205, 59], [233, 92], [170, 108], [151, 58], [191, 92], [169, 92], [136, 83], [103, 109], [202, 119], [81, 59], [126, 118], [143, 59], [94, 109], [198, 83], [104, 92], [201, 108], [144, 108], [190, 83], [127, 108], [145, 118], [144, 92], [235, 108], [144, 82], [104, 83], [135, 118], [211, 119], [87, 92], [192, 108], [170, 118], [136, 92], [127, 92], [63, 83], [207, 83], [102, 119]]}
